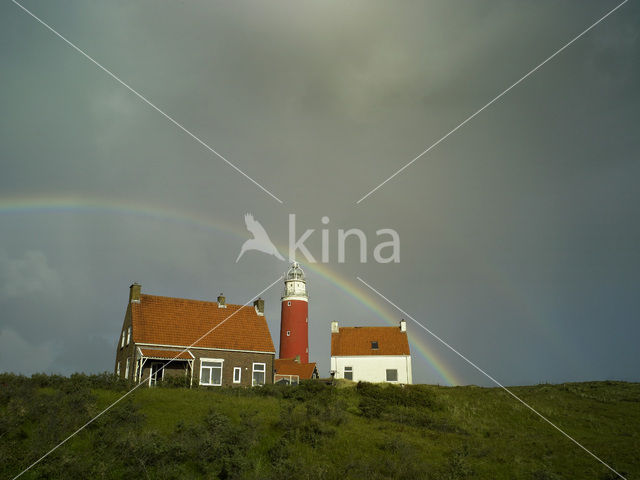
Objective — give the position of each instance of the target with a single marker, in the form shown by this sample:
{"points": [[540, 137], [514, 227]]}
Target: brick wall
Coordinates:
{"points": [[128, 351], [244, 360]]}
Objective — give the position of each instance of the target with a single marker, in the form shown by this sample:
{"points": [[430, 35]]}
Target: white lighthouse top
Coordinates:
{"points": [[295, 284], [295, 273]]}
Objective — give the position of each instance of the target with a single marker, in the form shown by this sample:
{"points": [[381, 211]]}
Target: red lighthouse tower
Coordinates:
{"points": [[294, 319]]}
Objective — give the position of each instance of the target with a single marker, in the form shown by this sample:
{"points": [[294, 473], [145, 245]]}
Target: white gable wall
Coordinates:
{"points": [[373, 368]]}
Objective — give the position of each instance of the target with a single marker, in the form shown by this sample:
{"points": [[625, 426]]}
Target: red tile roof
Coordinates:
{"points": [[357, 341], [170, 354], [288, 366], [181, 322]]}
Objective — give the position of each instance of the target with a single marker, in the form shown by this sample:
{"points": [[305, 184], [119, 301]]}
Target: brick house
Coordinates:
{"points": [[371, 354], [165, 336]]}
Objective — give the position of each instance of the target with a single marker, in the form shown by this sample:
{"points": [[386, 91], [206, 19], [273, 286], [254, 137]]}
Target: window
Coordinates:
{"points": [[122, 342], [211, 371], [374, 345], [126, 370], [288, 304], [288, 333], [348, 373], [118, 369], [259, 373], [128, 335], [392, 375], [237, 374]]}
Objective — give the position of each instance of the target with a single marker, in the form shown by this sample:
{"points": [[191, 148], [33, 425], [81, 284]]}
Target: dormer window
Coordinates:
{"points": [[374, 345]]}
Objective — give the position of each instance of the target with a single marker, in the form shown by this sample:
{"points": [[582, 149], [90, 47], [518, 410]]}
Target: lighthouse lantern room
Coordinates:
{"points": [[294, 318]]}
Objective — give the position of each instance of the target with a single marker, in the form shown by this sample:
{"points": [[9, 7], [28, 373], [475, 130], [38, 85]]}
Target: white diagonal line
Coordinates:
{"points": [[489, 377], [147, 101], [504, 92], [142, 382]]}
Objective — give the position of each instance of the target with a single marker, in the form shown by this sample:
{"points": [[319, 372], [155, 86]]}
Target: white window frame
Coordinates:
{"points": [[122, 341], [288, 304], [118, 369], [202, 360], [387, 375], [126, 369], [288, 333], [348, 369], [254, 371], [128, 335], [237, 370]]}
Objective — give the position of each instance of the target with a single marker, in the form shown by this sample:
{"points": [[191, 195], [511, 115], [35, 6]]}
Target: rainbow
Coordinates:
{"points": [[417, 343], [84, 204]]}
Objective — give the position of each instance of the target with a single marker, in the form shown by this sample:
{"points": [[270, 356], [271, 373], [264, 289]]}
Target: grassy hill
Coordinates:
{"points": [[317, 431]]}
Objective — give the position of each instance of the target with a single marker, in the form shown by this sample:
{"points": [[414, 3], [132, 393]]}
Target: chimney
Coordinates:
{"points": [[297, 360], [221, 301], [134, 292], [334, 327], [259, 304], [403, 325]]}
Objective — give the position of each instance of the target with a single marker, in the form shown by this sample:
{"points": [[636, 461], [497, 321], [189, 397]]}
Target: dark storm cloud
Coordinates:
{"points": [[519, 233]]}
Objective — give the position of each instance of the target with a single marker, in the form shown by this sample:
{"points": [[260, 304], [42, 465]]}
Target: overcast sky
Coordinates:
{"points": [[519, 234]]}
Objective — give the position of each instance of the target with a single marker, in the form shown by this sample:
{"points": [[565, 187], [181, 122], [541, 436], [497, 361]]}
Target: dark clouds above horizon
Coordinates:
{"points": [[519, 233]]}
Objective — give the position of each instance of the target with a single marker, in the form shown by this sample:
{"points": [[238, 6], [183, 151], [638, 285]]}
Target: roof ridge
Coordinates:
{"points": [[194, 300], [371, 327]]}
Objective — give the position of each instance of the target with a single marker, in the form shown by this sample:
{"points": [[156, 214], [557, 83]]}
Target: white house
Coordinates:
{"points": [[371, 354]]}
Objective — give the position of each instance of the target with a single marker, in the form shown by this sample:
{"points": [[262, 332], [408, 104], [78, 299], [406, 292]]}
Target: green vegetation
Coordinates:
{"points": [[316, 431]]}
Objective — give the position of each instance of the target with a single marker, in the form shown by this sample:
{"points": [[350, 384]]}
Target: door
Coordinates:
{"points": [[157, 373]]}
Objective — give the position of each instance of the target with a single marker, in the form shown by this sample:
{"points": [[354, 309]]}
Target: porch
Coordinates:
{"points": [[154, 365]]}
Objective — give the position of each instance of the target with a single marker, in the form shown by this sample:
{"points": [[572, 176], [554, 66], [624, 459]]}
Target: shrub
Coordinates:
{"points": [[400, 460], [311, 422], [175, 381], [457, 466], [215, 445], [395, 395], [372, 407]]}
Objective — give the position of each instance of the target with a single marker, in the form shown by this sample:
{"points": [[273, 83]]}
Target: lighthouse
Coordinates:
{"points": [[294, 317]]}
